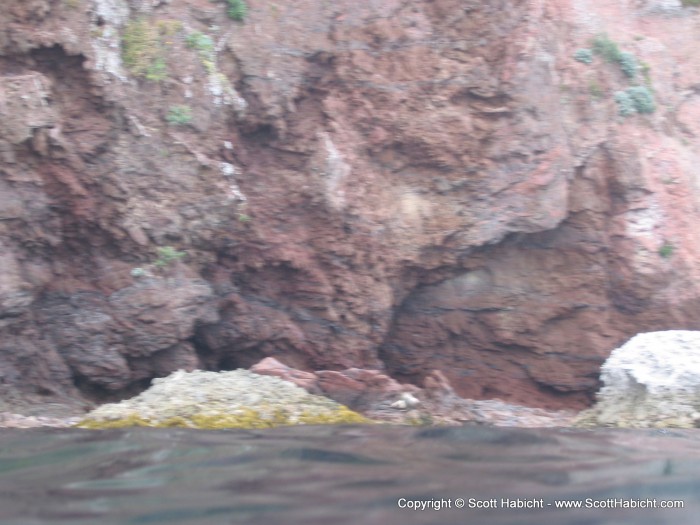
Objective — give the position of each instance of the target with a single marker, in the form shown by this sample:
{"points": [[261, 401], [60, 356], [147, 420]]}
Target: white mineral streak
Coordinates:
{"points": [[108, 17], [336, 172], [234, 191], [224, 93]]}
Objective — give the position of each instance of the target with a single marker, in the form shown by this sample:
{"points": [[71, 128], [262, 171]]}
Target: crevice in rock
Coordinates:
{"points": [[98, 394], [470, 321], [240, 359]]}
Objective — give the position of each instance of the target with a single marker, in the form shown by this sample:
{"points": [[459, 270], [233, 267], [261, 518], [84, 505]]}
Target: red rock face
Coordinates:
{"points": [[402, 186]]}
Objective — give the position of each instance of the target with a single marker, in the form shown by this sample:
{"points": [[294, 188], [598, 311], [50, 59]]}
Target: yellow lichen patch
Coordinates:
{"points": [[173, 422], [340, 416], [130, 421], [246, 418]]}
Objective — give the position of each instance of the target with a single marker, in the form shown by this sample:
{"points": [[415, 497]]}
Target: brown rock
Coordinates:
{"points": [[396, 186], [361, 389], [382, 398], [272, 367]]}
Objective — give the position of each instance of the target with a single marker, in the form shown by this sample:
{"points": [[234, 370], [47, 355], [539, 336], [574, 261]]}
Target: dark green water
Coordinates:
{"points": [[340, 475]]}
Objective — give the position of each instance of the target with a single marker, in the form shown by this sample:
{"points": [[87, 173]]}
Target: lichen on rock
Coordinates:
{"points": [[211, 400]]}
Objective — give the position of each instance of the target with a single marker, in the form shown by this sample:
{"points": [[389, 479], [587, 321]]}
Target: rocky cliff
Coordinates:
{"points": [[405, 185]]}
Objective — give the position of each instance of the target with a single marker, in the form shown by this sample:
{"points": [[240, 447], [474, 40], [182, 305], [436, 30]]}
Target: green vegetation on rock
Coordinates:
{"points": [[625, 104], [167, 255], [179, 115], [142, 51], [606, 48], [169, 28], [584, 55], [666, 250], [635, 99], [237, 9], [643, 99], [204, 45], [200, 42], [628, 64]]}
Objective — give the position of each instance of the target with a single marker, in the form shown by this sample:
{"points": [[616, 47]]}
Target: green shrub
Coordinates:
{"points": [[690, 2], [643, 99], [237, 9], [636, 99], [584, 55], [142, 51], [204, 45], [666, 250], [157, 71], [606, 48], [200, 42], [609, 50], [625, 104], [167, 255], [179, 115], [628, 64]]}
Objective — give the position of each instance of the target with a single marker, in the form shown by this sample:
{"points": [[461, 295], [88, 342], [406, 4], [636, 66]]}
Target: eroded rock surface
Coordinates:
{"points": [[402, 186]]}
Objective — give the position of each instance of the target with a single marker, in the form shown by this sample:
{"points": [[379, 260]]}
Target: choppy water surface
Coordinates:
{"points": [[337, 475]]}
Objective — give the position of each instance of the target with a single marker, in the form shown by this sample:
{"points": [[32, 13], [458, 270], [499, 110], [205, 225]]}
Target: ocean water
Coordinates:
{"points": [[349, 474]]}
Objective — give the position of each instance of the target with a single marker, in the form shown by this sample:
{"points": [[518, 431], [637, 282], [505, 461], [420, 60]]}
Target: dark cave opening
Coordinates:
{"points": [[99, 394]]}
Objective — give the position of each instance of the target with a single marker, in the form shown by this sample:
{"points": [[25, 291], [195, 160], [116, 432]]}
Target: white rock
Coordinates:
{"points": [[400, 404], [410, 400], [405, 401], [653, 380]]}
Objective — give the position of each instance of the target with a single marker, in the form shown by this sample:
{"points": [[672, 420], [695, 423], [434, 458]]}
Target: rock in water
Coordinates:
{"points": [[653, 380], [212, 400]]}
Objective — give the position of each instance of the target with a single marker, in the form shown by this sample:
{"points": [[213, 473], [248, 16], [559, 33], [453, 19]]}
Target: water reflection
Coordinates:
{"points": [[342, 475]]}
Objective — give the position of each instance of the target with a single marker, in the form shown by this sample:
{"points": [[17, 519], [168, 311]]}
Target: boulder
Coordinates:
{"points": [[653, 380], [360, 389], [272, 367], [382, 398], [211, 400]]}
